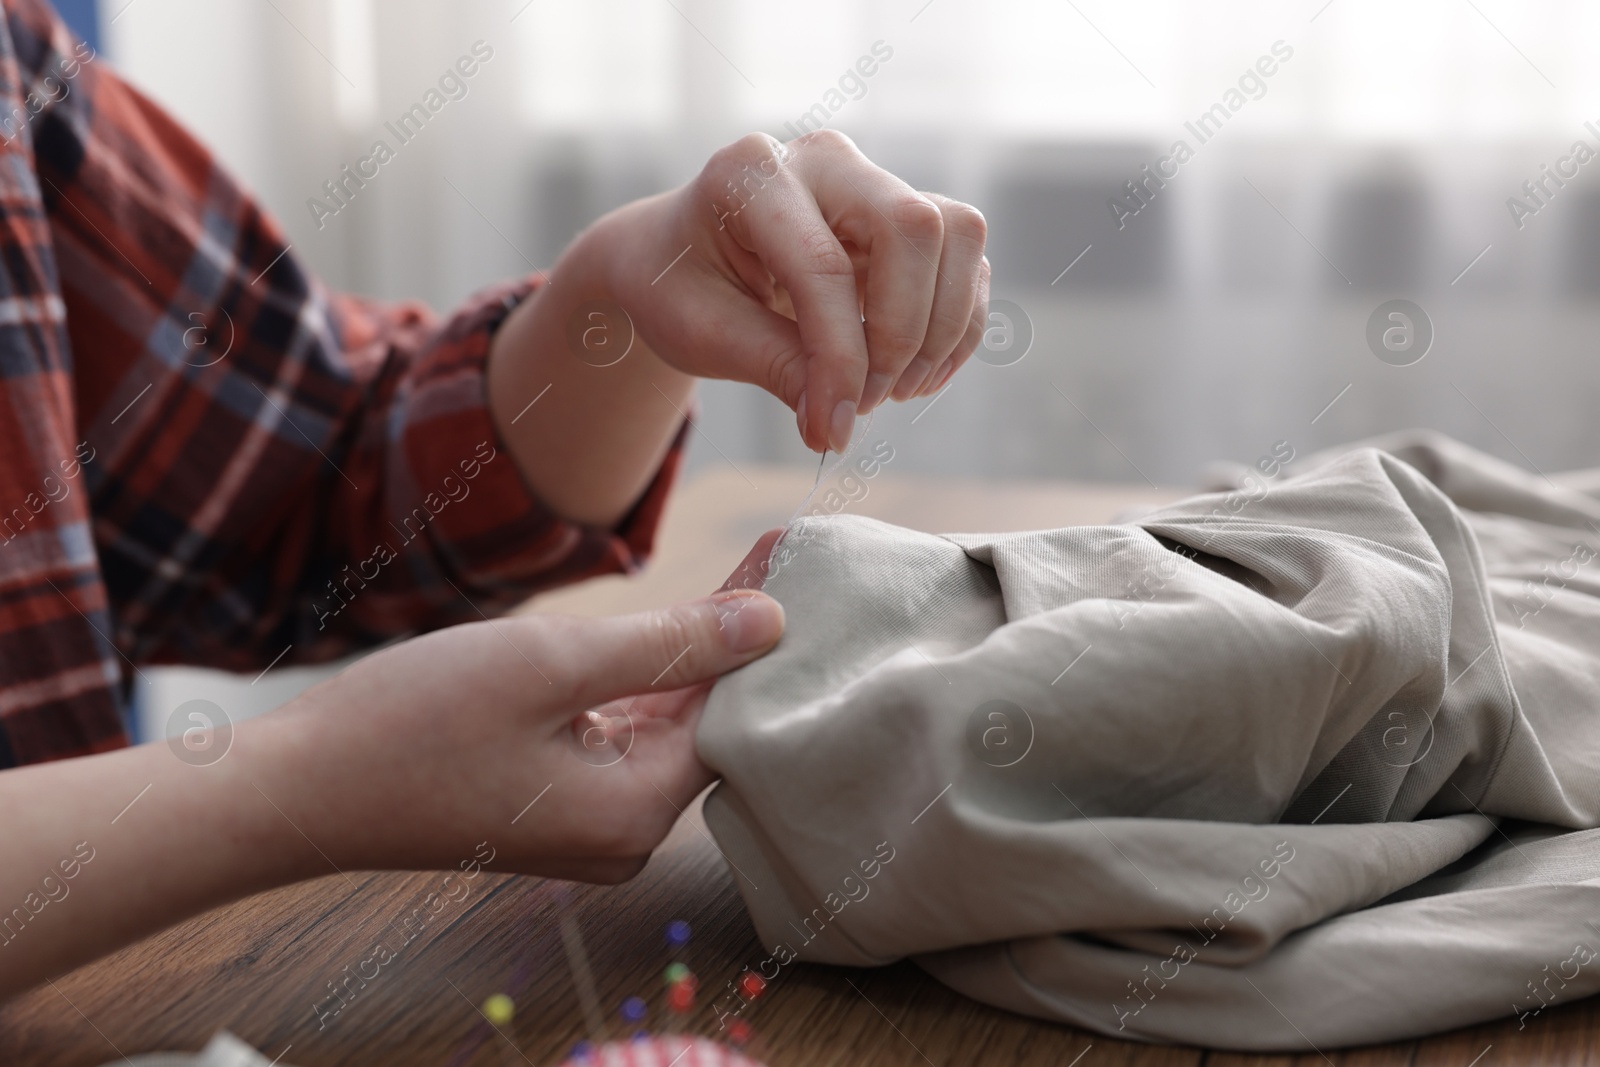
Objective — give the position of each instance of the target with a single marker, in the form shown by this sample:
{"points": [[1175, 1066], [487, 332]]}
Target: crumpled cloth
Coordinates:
{"points": [[1310, 763]]}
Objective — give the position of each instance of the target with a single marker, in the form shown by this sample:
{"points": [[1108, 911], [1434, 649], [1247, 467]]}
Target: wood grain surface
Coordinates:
{"points": [[261, 966]]}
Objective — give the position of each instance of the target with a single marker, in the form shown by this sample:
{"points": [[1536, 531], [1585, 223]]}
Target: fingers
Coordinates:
{"points": [[902, 234], [793, 240], [738, 338], [817, 272], [751, 573], [925, 272], [882, 281], [958, 287], [596, 660], [971, 337]]}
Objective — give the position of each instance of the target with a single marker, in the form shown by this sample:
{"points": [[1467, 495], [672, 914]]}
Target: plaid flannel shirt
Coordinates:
{"points": [[205, 456]]}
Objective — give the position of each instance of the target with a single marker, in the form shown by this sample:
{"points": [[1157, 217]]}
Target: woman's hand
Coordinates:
{"points": [[801, 268], [566, 744], [468, 745], [810, 272]]}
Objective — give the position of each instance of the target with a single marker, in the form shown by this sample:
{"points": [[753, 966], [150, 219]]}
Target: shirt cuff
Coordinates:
{"points": [[492, 533]]}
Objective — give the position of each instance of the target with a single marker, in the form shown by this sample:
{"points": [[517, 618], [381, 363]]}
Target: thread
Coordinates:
{"points": [[863, 428]]}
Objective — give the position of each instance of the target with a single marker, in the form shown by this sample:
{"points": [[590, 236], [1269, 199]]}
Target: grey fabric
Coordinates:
{"points": [[1310, 763]]}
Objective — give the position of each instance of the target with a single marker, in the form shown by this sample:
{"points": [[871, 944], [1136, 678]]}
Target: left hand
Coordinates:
{"points": [[808, 271], [451, 745], [413, 753]]}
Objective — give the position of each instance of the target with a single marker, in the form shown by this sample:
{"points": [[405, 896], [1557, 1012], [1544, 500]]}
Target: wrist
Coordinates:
{"points": [[623, 259], [355, 792], [287, 774], [590, 448]]}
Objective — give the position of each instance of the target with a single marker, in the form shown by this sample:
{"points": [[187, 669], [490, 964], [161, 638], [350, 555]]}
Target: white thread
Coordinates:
{"points": [[822, 476]]}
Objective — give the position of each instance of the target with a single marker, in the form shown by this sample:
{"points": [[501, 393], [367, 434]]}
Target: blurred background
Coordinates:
{"points": [[1229, 312]]}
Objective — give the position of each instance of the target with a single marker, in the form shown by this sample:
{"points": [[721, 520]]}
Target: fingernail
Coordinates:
{"points": [[911, 380], [842, 425], [944, 376], [749, 621], [800, 417], [877, 388]]}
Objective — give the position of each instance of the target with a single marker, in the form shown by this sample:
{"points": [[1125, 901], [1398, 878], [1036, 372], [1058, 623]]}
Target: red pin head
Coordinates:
{"points": [[680, 998]]}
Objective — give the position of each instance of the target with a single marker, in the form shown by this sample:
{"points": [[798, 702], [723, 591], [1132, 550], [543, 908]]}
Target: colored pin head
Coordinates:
{"points": [[752, 985], [499, 1009], [676, 972], [680, 998], [583, 1051], [633, 1009], [739, 1032], [677, 933]]}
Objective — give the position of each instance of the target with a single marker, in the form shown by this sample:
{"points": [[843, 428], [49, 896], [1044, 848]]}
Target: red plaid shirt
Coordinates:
{"points": [[205, 456]]}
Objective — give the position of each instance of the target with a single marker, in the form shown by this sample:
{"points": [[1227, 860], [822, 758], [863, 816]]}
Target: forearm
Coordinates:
{"points": [[428, 755], [595, 436], [100, 851]]}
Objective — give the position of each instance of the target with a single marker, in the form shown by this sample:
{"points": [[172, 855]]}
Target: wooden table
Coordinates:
{"points": [[258, 967]]}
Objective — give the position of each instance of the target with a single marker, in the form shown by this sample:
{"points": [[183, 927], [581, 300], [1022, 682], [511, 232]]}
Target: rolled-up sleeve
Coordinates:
{"points": [[281, 473], [436, 523]]}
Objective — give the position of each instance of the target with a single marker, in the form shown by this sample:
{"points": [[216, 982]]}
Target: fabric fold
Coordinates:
{"points": [[1126, 771]]}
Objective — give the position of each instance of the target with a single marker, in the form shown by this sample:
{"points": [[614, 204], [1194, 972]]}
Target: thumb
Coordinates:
{"points": [[669, 648]]}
